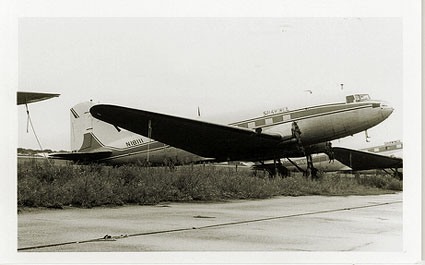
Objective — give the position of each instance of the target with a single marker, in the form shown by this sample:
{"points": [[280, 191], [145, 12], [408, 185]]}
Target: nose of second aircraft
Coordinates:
{"points": [[386, 109]]}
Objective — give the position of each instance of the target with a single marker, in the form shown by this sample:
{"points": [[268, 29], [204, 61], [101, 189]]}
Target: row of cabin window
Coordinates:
{"points": [[266, 121], [377, 149]]}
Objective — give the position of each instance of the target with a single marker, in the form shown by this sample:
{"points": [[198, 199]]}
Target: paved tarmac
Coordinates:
{"points": [[307, 223]]}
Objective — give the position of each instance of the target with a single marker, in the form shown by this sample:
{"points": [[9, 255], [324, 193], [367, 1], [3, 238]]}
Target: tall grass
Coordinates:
{"points": [[49, 185]]}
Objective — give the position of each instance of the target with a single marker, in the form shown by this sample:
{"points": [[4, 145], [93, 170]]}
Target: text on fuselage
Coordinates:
{"points": [[134, 142], [275, 111]]}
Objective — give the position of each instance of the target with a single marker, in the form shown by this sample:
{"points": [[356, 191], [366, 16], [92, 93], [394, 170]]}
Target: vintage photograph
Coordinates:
{"points": [[210, 134]]}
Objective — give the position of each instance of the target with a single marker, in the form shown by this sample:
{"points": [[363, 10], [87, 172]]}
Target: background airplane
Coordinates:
{"points": [[25, 98], [386, 157], [294, 133]]}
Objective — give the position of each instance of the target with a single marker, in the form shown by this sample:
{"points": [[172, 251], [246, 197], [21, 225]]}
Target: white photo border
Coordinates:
{"points": [[410, 11]]}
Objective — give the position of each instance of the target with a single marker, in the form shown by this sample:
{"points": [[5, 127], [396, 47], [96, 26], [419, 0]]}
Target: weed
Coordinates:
{"points": [[56, 185]]}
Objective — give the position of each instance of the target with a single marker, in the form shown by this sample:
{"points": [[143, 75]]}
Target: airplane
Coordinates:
{"points": [[387, 156], [114, 134]]}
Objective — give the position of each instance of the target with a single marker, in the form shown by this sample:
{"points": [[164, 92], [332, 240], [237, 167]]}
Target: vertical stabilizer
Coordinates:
{"points": [[81, 128], [89, 134]]}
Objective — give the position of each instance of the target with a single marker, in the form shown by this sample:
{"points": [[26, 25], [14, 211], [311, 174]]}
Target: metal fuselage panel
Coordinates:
{"points": [[324, 122], [338, 124]]}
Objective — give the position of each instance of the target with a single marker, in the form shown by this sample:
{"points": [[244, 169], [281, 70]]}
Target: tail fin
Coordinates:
{"points": [[92, 135], [81, 128]]}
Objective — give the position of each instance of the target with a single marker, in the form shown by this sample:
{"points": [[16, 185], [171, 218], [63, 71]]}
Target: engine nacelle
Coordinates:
{"points": [[324, 147]]}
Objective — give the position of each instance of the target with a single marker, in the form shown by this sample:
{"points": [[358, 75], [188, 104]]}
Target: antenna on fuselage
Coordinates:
{"points": [[149, 136], [342, 86]]}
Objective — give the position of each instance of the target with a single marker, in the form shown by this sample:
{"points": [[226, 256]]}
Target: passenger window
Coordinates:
{"points": [[260, 122], [277, 119]]}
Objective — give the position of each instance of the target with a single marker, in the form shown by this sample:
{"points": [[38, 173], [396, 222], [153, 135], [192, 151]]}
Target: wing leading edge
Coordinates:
{"points": [[31, 97], [206, 139], [361, 160]]}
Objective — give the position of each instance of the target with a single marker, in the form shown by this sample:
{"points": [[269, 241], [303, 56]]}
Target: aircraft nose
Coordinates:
{"points": [[386, 109]]}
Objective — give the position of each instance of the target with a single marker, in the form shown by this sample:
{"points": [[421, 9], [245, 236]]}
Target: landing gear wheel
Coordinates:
{"points": [[311, 171]]}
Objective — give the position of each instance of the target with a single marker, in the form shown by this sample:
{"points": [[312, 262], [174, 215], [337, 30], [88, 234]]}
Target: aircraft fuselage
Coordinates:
{"points": [[317, 125]]}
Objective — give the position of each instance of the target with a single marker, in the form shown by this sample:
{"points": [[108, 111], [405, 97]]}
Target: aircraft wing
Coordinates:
{"points": [[31, 97], [221, 142], [361, 160], [81, 156]]}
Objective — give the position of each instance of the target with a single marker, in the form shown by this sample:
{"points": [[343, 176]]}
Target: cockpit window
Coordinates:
{"points": [[350, 99], [357, 98], [364, 97]]}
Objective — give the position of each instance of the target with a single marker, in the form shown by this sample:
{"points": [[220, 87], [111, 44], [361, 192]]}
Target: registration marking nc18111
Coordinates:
{"points": [[134, 142]]}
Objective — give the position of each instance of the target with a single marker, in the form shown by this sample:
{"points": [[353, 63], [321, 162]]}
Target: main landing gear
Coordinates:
{"points": [[395, 173], [310, 171]]}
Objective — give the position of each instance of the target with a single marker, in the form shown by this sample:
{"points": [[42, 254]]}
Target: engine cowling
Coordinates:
{"points": [[301, 151]]}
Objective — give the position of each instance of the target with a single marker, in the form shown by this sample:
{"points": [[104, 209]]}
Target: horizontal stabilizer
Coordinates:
{"points": [[81, 156], [361, 160]]}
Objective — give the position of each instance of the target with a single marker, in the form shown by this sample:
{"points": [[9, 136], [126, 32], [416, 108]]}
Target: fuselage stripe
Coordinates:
{"points": [[320, 108], [315, 115], [134, 153]]}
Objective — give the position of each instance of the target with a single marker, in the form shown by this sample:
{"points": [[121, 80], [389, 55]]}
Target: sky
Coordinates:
{"points": [[232, 68]]}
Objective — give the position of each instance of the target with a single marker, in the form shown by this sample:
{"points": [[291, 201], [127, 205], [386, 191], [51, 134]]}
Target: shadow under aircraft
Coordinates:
{"points": [[117, 135]]}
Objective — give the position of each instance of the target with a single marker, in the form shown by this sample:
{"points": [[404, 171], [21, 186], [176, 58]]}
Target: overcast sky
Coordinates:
{"points": [[232, 68]]}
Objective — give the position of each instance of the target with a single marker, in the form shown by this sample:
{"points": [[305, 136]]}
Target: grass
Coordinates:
{"points": [[43, 184]]}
